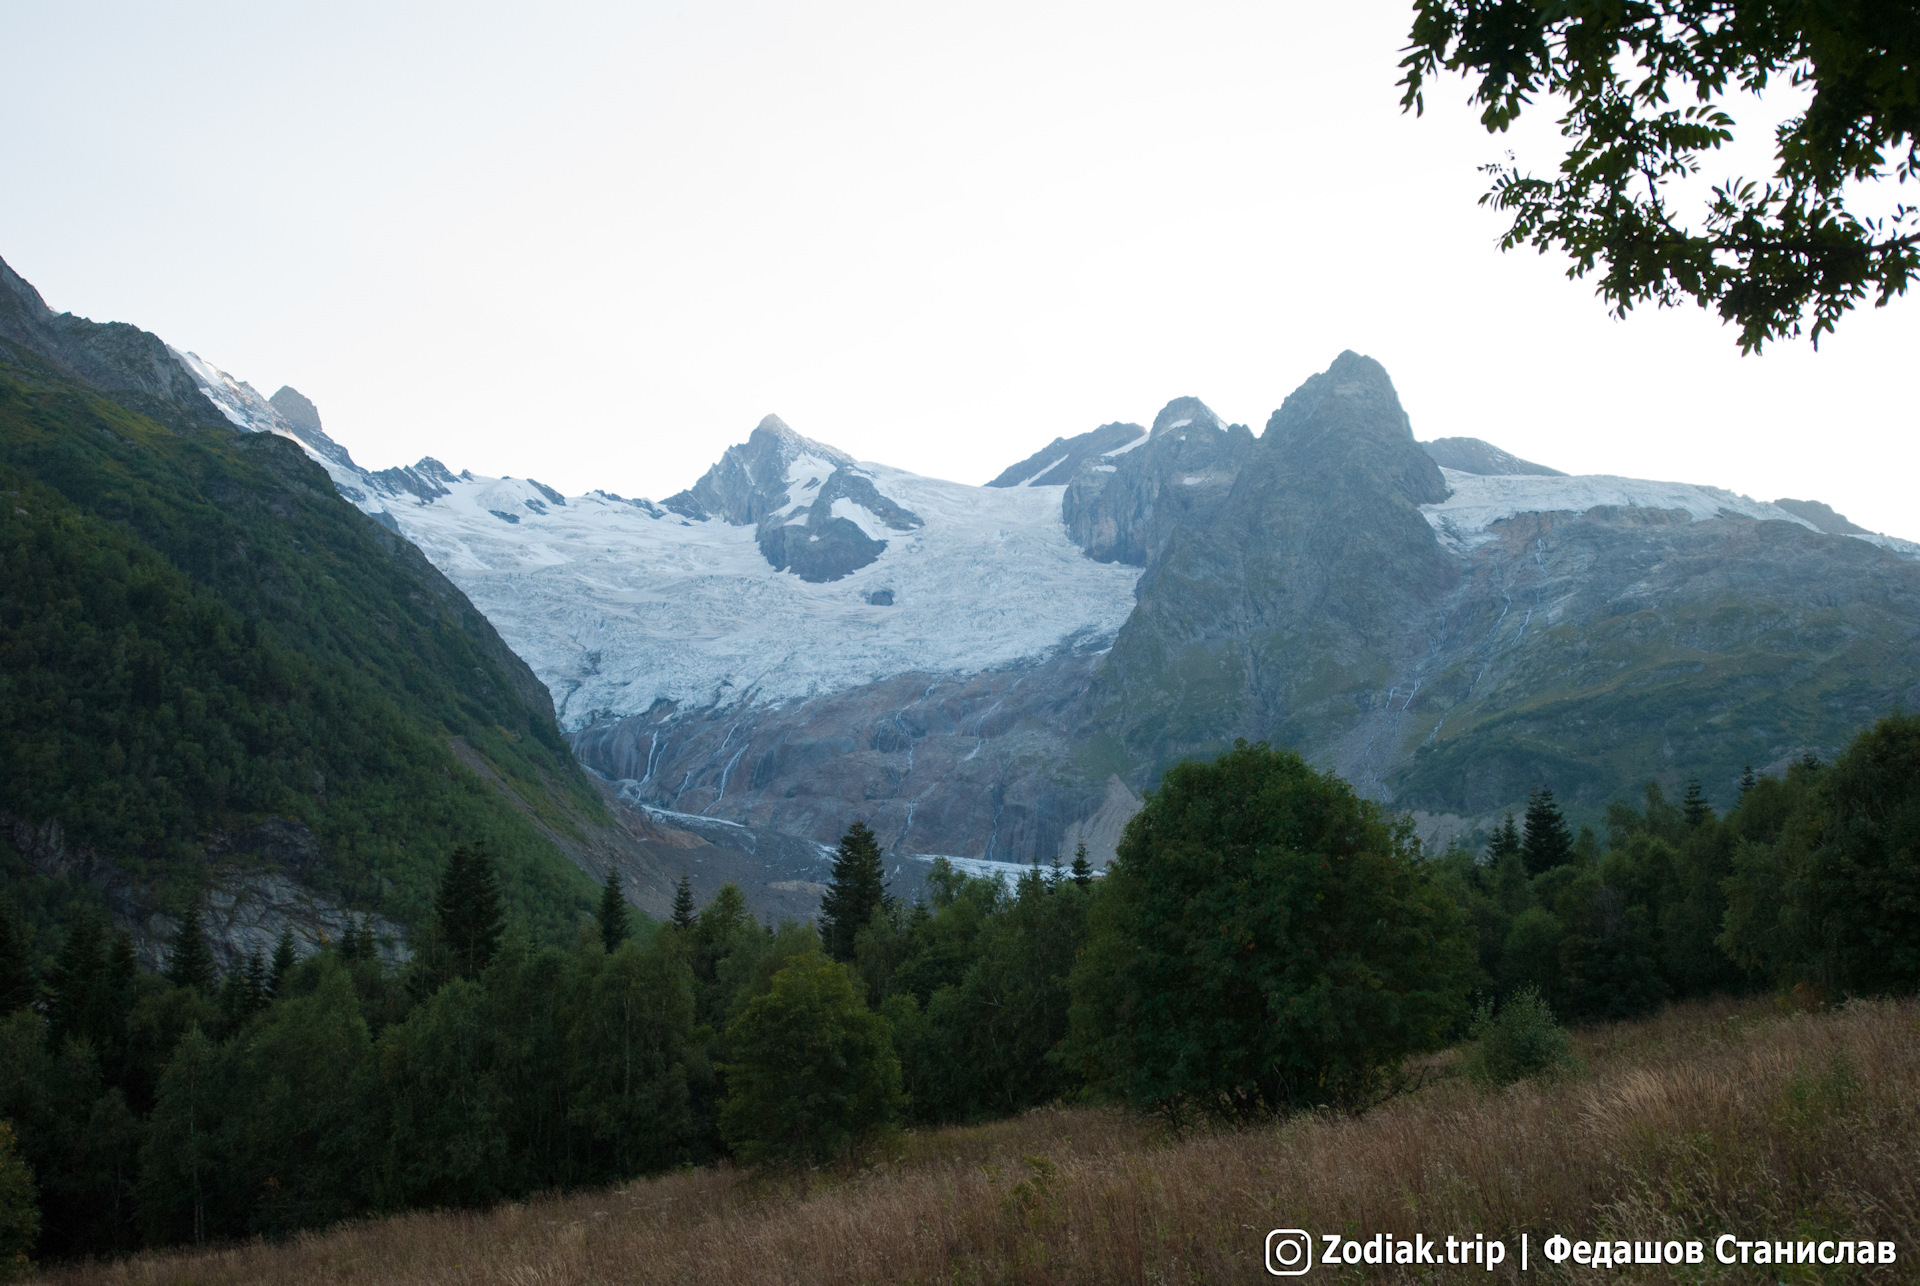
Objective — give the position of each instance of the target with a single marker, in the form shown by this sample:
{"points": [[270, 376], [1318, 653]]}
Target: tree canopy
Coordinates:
{"points": [[1646, 88], [1265, 940]]}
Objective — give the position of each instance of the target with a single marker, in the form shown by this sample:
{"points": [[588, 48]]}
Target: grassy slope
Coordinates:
{"points": [[1709, 1118], [198, 633]]}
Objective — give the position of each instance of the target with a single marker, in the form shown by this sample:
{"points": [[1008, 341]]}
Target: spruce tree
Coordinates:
{"points": [[613, 911], [1056, 873], [1082, 868], [1747, 781], [284, 958], [467, 914], [683, 904], [257, 993], [75, 980], [1547, 842], [191, 963], [857, 889], [1505, 842], [1694, 806]]}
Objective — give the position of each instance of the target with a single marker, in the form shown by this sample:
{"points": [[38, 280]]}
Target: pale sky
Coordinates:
{"points": [[594, 243]]}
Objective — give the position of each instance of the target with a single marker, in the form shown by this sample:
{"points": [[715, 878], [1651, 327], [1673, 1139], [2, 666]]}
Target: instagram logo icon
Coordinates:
{"points": [[1289, 1252]]}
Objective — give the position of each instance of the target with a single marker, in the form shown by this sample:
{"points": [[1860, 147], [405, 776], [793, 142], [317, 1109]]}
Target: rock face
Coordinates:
{"points": [[1471, 455], [816, 513], [1123, 506], [113, 357], [1055, 464], [1280, 603], [1823, 517]]}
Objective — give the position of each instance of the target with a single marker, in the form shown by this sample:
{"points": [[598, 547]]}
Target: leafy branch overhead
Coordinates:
{"points": [[1646, 84]]}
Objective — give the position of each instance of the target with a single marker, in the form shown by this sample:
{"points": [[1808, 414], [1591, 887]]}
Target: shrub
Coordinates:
{"points": [[1520, 1040]]}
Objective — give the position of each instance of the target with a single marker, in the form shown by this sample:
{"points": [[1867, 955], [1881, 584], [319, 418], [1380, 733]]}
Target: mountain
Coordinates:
{"points": [[1057, 462], [1471, 455], [997, 672], [223, 685]]}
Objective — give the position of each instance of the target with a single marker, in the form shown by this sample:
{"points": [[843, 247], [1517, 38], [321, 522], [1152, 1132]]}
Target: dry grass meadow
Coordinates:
{"points": [[1737, 1117]]}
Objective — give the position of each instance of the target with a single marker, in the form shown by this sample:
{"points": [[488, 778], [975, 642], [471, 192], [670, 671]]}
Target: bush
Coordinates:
{"points": [[1519, 1041]]}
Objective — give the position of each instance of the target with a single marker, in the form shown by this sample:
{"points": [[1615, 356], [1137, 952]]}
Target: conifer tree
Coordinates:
{"points": [[17, 984], [1082, 868], [284, 958], [683, 904], [1747, 781], [467, 913], [191, 962], [75, 980], [1505, 842], [1547, 842], [857, 889], [613, 911], [1056, 873], [257, 994], [1694, 806]]}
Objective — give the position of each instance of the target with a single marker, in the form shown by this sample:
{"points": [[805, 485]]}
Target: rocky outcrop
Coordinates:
{"points": [[1055, 464], [254, 890], [979, 765], [1823, 517], [817, 513], [118, 359], [1471, 455], [1123, 508]]}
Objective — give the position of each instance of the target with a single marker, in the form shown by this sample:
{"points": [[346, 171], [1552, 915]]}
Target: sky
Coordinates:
{"points": [[594, 244]]}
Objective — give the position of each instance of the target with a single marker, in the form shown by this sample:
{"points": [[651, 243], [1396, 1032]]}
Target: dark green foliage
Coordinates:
{"points": [[982, 1046], [615, 923], [1504, 843], [197, 634], [467, 916], [1747, 781], [1265, 940], [190, 963], [813, 1074], [1645, 85], [1547, 843], [1082, 868], [1825, 887], [18, 985], [283, 961], [19, 1209], [1694, 806], [1519, 1040], [683, 904], [856, 890]]}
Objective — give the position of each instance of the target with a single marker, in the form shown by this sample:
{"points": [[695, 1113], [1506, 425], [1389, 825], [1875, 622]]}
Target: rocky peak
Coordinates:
{"points": [[1124, 506], [1347, 421], [1471, 455], [112, 357], [752, 479], [302, 419], [1184, 412], [1055, 464], [1823, 517], [296, 410]]}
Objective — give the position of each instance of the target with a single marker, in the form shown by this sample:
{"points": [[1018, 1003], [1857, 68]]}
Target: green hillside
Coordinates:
{"points": [[198, 634]]}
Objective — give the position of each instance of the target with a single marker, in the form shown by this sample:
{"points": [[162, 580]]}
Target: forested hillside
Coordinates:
{"points": [[209, 655]]}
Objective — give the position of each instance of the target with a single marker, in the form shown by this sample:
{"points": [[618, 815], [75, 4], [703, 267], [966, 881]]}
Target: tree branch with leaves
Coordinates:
{"points": [[1645, 84]]}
